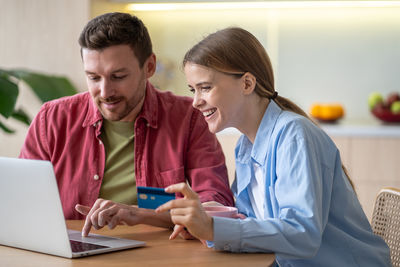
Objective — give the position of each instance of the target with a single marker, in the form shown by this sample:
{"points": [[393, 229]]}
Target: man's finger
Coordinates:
{"points": [[104, 216], [88, 222], [86, 227], [84, 210], [114, 221]]}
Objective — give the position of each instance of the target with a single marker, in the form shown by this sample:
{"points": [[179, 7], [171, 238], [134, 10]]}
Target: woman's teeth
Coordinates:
{"points": [[208, 113]]}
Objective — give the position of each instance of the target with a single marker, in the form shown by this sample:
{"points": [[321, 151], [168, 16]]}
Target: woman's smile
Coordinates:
{"points": [[209, 113]]}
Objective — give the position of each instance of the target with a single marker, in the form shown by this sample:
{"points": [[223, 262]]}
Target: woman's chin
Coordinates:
{"points": [[215, 128]]}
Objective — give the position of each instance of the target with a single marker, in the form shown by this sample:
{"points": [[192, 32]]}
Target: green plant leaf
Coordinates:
{"points": [[21, 116], [5, 128], [46, 87], [8, 95]]}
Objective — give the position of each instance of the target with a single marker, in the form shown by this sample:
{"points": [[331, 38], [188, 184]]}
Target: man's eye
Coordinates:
{"points": [[191, 90], [119, 77], [93, 78]]}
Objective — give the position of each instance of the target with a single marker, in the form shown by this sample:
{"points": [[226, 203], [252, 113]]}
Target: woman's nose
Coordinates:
{"points": [[197, 100]]}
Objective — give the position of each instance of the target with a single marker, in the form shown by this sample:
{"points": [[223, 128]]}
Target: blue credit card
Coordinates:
{"points": [[152, 197]]}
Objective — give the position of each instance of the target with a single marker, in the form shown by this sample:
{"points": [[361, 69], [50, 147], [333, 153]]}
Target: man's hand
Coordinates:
{"points": [[106, 212], [188, 212]]}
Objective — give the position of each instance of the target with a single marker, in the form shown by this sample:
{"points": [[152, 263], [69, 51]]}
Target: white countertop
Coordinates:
{"points": [[363, 128], [350, 127]]}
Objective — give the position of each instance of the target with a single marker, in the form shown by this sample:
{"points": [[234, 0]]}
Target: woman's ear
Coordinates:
{"points": [[249, 83]]}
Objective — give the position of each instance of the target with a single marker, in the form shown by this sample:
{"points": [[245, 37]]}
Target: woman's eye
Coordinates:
{"points": [[191, 90], [205, 88]]}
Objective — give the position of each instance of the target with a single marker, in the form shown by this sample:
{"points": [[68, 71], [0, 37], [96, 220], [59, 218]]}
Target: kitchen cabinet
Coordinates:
{"points": [[369, 151], [373, 163]]}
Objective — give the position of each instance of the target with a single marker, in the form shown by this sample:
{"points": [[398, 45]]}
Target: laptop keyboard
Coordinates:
{"points": [[78, 246]]}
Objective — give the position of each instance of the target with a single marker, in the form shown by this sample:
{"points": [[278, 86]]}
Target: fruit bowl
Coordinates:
{"points": [[386, 109], [331, 121], [386, 115]]}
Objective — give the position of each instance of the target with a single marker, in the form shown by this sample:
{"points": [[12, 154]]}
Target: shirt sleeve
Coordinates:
{"points": [[205, 161], [35, 145], [300, 207]]}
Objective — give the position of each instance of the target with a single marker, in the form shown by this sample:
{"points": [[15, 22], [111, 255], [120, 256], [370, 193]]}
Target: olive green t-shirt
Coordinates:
{"points": [[119, 183]]}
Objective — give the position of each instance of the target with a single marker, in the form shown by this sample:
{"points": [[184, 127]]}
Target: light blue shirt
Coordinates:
{"points": [[313, 215]]}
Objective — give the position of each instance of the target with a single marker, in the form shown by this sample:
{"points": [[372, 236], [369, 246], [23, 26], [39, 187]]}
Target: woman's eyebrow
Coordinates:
{"points": [[202, 83]]}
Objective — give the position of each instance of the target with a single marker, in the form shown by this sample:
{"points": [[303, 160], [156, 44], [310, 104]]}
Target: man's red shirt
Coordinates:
{"points": [[172, 145]]}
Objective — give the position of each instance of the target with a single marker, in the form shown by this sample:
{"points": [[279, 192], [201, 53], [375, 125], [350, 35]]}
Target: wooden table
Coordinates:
{"points": [[159, 251]]}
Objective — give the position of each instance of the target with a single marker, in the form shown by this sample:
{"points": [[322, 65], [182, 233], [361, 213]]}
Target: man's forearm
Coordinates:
{"points": [[149, 216]]}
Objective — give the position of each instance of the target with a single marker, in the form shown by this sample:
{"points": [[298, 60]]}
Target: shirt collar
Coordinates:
{"points": [[258, 150], [149, 110], [93, 114]]}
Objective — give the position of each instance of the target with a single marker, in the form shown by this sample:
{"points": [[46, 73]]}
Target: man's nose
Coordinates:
{"points": [[106, 89]]}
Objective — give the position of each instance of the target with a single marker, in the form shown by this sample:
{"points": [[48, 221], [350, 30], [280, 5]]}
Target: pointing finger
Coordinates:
{"points": [[88, 222], [182, 188]]}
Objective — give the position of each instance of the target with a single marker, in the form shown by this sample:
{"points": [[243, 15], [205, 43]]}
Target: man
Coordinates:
{"points": [[124, 133]]}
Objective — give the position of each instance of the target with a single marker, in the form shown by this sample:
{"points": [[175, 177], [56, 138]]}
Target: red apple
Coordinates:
{"points": [[381, 108], [392, 97]]}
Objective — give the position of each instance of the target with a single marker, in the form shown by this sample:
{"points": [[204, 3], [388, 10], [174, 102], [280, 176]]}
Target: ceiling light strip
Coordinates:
{"points": [[258, 5]]}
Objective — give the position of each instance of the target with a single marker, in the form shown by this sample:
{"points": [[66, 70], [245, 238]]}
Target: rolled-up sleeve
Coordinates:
{"points": [[35, 145]]}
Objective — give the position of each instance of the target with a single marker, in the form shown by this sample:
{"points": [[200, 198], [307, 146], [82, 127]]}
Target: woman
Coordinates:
{"points": [[299, 202]]}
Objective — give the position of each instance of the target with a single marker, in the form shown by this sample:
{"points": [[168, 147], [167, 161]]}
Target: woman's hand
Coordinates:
{"points": [[188, 212], [182, 232]]}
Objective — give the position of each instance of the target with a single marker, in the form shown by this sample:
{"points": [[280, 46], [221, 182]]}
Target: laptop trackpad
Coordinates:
{"points": [[92, 238]]}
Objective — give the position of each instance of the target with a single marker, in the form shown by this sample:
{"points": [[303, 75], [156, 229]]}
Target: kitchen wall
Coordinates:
{"points": [[319, 54], [39, 35], [339, 55]]}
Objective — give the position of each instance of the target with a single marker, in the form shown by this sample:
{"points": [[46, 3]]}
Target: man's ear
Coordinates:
{"points": [[249, 81], [150, 65]]}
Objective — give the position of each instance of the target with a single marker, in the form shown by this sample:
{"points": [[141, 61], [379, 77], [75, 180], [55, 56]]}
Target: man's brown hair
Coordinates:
{"points": [[116, 29]]}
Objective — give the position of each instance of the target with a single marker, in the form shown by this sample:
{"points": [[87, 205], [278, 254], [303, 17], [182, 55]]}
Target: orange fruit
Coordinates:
{"points": [[326, 111]]}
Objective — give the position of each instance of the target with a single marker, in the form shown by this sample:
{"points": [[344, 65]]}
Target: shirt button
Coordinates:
{"points": [[100, 142], [96, 177], [147, 124], [94, 124]]}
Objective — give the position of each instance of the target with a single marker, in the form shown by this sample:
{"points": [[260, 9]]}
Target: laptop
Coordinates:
{"points": [[32, 217]]}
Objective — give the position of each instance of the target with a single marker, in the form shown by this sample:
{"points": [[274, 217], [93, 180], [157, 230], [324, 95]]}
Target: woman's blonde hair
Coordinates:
{"points": [[234, 50]]}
